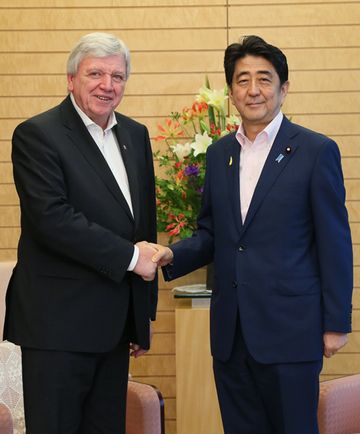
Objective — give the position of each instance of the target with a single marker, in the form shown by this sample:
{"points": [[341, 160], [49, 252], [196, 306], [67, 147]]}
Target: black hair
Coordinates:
{"points": [[255, 46]]}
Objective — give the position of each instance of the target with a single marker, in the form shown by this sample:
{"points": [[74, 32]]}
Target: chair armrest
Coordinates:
{"points": [[339, 405], [144, 409], [6, 423]]}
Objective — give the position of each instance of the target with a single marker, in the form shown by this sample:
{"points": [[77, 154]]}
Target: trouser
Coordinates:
{"points": [[258, 398], [75, 393]]}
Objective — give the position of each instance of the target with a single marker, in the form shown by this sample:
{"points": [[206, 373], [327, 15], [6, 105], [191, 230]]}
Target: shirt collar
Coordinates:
{"points": [[269, 131], [87, 121]]}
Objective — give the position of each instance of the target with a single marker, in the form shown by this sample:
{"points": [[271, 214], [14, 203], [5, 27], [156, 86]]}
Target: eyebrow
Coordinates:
{"points": [[260, 72]]}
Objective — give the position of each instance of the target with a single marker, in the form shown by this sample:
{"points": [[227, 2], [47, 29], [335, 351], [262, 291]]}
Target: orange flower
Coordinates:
{"points": [[199, 108], [180, 176], [186, 114], [175, 227], [171, 130]]}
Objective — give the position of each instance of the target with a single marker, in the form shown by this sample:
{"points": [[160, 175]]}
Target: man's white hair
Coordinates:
{"points": [[97, 44]]}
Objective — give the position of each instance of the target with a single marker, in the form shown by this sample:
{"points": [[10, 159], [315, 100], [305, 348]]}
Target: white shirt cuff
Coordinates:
{"points": [[134, 259]]}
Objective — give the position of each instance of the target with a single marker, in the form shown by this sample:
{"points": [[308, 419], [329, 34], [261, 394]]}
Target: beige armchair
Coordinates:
{"points": [[339, 406], [144, 410], [5, 274]]}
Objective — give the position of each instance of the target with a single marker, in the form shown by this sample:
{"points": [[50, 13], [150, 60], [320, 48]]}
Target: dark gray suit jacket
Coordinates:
{"points": [[70, 289]]}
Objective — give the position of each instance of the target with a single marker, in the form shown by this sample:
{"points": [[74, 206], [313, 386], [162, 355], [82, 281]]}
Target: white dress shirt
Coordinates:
{"points": [[109, 147], [252, 159]]}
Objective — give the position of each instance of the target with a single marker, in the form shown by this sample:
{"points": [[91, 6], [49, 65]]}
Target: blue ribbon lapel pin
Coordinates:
{"points": [[279, 158]]}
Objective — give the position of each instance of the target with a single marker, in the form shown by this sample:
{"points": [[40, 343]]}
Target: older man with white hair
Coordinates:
{"points": [[77, 301]]}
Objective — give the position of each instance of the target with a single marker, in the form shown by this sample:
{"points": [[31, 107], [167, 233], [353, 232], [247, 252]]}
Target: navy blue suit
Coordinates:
{"points": [[286, 273]]}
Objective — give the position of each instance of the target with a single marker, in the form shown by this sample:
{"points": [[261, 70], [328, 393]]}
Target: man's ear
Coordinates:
{"points": [[70, 84], [230, 93], [284, 90]]}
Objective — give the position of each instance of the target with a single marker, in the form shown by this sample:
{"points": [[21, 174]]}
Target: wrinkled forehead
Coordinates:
{"points": [[254, 65], [115, 62]]}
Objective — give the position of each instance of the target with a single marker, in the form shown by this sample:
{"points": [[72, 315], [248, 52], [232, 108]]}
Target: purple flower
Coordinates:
{"points": [[192, 170]]}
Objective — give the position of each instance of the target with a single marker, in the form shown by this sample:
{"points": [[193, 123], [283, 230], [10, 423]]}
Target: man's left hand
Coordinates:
{"points": [[136, 350], [333, 341]]}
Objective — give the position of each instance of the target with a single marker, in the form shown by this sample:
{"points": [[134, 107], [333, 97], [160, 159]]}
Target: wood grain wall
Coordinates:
{"points": [[174, 44]]}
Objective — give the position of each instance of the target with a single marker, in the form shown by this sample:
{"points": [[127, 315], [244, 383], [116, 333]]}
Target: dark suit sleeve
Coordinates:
{"points": [[332, 238], [48, 215]]}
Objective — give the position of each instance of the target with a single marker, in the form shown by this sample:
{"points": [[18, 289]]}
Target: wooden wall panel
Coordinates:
{"points": [[172, 38], [354, 211], [349, 145], [105, 3], [99, 18], [9, 216], [351, 167], [322, 102], [356, 296], [352, 189], [174, 44], [313, 14], [138, 84], [166, 62], [285, 2], [324, 81], [305, 35], [9, 237], [5, 150], [343, 58], [8, 195], [6, 176], [331, 124], [357, 279]]}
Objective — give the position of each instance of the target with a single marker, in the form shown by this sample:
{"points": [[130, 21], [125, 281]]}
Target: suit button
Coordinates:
{"points": [[234, 284], [241, 248]]}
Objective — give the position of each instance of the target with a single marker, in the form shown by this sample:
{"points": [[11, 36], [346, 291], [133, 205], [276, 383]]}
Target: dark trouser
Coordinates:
{"points": [[266, 399], [75, 393]]}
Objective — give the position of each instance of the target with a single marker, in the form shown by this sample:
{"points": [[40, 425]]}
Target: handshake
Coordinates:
{"points": [[151, 256]]}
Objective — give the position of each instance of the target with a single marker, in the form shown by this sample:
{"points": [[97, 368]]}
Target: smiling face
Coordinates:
{"points": [[256, 92], [98, 86]]}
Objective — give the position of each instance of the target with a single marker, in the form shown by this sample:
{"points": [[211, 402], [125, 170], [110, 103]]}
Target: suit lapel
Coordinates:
{"points": [[282, 151], [231, 162], [80, 136]]}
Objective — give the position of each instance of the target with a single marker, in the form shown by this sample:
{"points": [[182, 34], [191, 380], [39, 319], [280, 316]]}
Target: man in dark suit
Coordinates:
{"points": [[76, 303], [274, 222]]}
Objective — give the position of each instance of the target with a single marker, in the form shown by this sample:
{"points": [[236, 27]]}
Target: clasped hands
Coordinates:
{"points": [[151, 256]]}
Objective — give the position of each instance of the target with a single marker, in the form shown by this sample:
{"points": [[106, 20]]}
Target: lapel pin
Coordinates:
{"points": [[124, 147], [230, 161], [279, 158], [288, 150]]}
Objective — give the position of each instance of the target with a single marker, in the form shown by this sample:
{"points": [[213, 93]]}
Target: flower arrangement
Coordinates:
{"points": [[187, 135]]}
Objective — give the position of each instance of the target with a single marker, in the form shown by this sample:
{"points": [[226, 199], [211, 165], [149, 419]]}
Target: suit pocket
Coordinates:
{"points": [[66, 271], [298, 286]]}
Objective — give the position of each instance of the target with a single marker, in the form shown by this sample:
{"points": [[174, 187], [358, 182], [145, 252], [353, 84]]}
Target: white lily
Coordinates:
{"points": [[213, 97], [202, 142], [181, 150]]}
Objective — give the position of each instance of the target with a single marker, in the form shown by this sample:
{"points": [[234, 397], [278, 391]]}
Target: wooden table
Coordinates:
{"points": [[196, 400]]}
